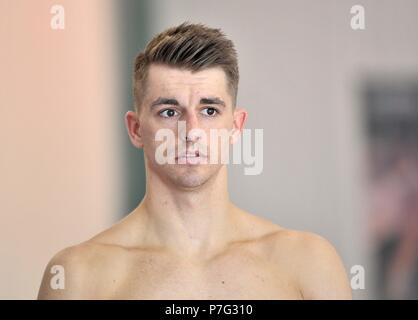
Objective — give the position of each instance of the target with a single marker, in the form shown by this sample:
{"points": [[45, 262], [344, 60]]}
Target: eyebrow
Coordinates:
{"points": [[211, 100], [173, 102], [161, 101]]}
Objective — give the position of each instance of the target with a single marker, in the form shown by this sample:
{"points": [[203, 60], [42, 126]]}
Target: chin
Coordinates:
{"points": [[193, 177], [190, 179], [190, 182]]}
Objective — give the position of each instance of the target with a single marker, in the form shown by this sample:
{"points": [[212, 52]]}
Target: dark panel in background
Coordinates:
{"points": [[391, 123]]}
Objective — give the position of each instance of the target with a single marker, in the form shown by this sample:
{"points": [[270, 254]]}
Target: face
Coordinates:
{"points": [[192, 106]]}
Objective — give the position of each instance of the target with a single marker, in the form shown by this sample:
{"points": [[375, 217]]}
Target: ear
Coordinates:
{"points": [[240, 117], [133, 126]]}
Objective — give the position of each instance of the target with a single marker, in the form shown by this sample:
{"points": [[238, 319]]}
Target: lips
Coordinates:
{"points": [[191, 154], [191, 158]]}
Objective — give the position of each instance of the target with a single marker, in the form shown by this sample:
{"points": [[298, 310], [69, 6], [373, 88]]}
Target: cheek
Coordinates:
{"points": [[149, 134], [224, 121], [222, 127]]}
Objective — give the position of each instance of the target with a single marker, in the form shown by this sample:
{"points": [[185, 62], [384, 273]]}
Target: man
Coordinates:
{"points": [[186, 239]]}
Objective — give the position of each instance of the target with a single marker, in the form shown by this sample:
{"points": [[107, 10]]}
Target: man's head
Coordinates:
{"points": [[193, 47], [187, 74]]}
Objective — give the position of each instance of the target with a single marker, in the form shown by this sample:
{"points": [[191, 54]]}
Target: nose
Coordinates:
{"points": [[190, 132]]}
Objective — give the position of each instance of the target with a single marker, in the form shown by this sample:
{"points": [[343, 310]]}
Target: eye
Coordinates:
{"points": [[168, 113], [210, 111]]}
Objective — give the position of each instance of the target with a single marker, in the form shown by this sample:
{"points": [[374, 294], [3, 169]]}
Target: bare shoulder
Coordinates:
{"points": [[85, 268], [317, 267], [54, 280], [309, 259], [72, 272]]}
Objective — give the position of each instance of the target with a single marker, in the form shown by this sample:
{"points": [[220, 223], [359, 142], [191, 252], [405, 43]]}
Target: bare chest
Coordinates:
{"points": [[233, 276]]}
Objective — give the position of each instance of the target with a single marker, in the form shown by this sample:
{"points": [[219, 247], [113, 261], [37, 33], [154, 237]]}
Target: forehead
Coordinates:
{"points": [[172, 81]]}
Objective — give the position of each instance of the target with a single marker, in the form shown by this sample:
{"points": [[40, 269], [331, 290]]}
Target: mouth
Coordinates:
{"points": [[191, 158]]}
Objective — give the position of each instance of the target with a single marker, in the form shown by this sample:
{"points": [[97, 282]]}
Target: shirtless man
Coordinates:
{"points": [[186, 239]]}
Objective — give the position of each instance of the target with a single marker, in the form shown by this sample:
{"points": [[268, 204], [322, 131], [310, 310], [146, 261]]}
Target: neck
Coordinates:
{"points": [[195, 221]]}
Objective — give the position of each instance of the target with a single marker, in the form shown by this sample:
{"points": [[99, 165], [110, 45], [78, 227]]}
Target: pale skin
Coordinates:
{"points": [[186, 239]]}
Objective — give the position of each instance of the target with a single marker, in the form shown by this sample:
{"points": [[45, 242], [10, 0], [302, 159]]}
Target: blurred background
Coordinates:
{"points": [[339, 110]]}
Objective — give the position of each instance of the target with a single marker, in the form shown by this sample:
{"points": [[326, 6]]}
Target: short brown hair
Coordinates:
{"points": [[190, 46]]}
